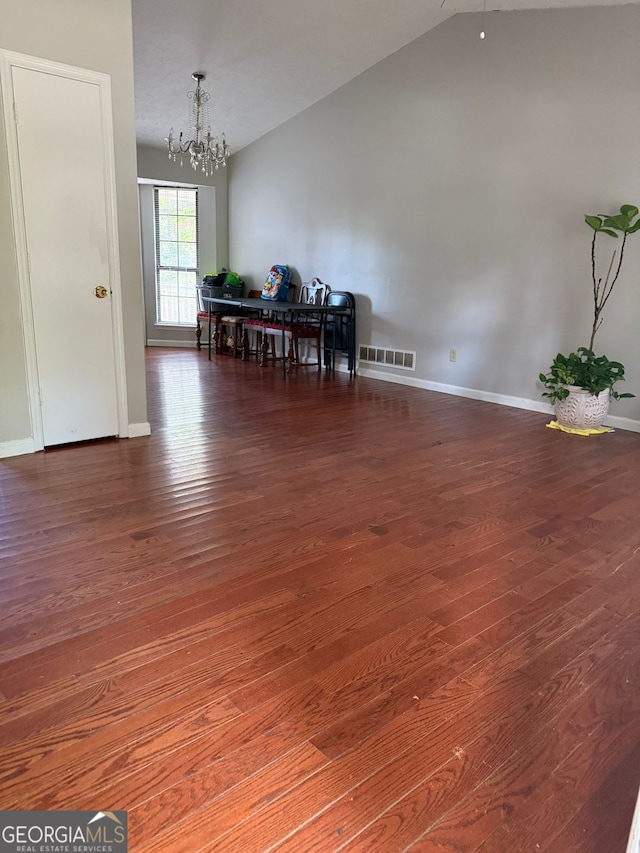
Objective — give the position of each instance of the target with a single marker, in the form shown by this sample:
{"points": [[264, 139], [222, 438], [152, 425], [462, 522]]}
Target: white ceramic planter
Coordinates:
{"points": [[581, 409]]}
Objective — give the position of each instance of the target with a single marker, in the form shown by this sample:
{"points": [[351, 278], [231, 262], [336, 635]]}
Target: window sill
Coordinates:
{"points": [[175, 325]]}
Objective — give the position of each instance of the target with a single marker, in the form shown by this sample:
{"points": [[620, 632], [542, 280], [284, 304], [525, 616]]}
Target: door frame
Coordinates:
{"points": [[9, 60]]}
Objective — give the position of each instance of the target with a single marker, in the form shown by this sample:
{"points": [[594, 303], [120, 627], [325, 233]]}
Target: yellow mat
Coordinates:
{"points": [[592, 431]]}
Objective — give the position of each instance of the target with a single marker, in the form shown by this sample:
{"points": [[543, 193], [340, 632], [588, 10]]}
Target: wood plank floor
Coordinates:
{"points": [[325, 615]]}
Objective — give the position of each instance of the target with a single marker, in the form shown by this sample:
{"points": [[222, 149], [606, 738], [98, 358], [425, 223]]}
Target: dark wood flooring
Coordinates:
{"points": [[322, 615]]}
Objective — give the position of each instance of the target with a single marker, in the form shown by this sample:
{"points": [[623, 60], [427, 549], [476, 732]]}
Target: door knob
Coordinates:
{"points": [[100, 291]]}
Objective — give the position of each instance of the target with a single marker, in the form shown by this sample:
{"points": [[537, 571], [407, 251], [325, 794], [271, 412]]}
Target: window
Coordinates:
{"points": [[176, 224]]}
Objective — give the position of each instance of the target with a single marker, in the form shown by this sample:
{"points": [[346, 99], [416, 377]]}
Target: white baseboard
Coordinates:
{"points": [[623, 423], [187, 344], [137, 430], [485, 396], [26, 445], [17, 448]]}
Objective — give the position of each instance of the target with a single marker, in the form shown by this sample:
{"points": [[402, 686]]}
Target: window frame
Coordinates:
{"points": [[182, 321]]}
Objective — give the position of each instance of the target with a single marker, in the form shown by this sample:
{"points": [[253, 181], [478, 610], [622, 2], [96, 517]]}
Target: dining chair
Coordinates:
{"points": [[202, 312], [340, 330], [260, 323], [230, 334], [308, 330]]}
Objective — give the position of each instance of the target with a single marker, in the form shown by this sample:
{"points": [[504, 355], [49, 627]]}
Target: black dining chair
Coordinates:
{"points": [[340, 330]]}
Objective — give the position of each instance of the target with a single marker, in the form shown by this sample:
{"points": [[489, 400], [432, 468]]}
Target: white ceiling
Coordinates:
{"points": [[267, 60]]}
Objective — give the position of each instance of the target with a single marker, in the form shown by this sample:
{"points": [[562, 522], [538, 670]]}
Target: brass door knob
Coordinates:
{"points": [[100, 291]]}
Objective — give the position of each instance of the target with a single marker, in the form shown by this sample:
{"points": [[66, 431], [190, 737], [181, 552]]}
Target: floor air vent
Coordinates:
{"points": [[390, 357]]}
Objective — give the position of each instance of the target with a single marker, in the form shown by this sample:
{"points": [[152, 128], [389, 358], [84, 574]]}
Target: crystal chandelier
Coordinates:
{"points": [[205, 152]]}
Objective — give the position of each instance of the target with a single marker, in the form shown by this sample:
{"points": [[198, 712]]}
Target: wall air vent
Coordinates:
{"points": [[389, 357]]}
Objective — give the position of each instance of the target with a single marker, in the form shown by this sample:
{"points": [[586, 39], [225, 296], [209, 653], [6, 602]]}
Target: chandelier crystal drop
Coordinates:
{"points": [[204, 150]]}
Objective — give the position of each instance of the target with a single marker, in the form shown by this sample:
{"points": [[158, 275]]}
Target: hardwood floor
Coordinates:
{"points": [[325, 615]]}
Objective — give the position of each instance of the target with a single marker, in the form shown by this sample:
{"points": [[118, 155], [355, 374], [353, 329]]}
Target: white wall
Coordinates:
{"points": [[446, 188], [88, 35]]}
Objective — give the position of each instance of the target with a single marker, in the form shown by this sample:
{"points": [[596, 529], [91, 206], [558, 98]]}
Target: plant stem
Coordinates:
{"points": [[596, 284], [602, 292], [596, 291], [606, 294]]}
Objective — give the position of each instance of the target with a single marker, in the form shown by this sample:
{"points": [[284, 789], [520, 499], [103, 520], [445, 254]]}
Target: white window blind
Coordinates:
{"points": [[176, 227]]}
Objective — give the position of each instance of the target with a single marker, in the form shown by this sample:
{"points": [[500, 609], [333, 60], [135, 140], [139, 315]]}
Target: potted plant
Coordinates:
{"points": [[581, 384]]}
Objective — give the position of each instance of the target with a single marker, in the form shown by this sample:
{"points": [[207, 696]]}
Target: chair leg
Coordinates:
{"points": [[294, 354], [198, 333], [264, 350]]}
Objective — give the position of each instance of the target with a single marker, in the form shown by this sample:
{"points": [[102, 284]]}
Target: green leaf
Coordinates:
{"points": [[608, 231], [634, 228], [620, 223], [593, 222], [593, 373], [629, 210]]}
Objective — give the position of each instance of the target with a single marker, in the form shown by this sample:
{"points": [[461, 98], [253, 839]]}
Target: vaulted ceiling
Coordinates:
{"points": [[267, 60]]}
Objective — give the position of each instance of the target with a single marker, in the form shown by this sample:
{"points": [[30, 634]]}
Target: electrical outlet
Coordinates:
{"points": [[453, 354]]}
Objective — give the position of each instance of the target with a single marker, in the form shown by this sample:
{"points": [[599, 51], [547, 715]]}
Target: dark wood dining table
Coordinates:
{"points": [[288, 312]]}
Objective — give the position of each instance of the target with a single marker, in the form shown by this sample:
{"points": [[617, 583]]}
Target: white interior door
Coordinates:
{"points": [[59, 128]]}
